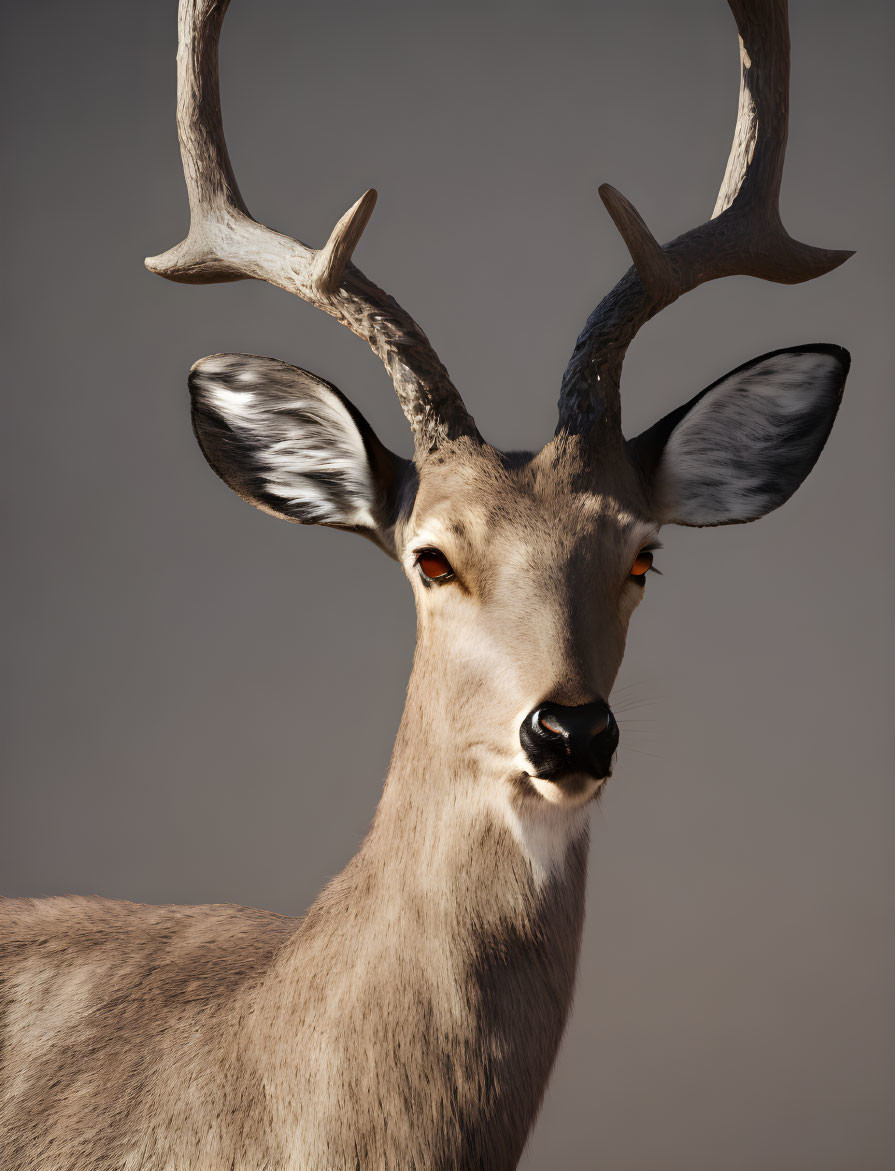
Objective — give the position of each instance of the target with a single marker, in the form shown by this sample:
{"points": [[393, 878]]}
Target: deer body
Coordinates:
{"points": [[412, 1017], [210, 1037]]}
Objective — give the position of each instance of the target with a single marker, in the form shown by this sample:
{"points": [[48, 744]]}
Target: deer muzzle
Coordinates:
{"points": [[560, 741]]}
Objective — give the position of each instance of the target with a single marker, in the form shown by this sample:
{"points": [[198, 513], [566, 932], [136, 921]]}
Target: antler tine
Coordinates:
{"points": [[225, 244], [745, 235]]}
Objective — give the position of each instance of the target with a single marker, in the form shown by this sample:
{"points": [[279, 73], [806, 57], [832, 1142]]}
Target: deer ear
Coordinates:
{"points": [[741, 447], [294, 446]]}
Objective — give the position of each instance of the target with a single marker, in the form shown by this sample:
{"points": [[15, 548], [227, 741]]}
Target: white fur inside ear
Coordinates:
{"points": [[748, 443], [293, 435], [323, 448]]}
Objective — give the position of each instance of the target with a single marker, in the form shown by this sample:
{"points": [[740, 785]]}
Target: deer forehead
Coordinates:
{"points": [[521, 517]]}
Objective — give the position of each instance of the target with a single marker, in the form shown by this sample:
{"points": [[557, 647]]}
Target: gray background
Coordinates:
{"points": [[180, 667]]}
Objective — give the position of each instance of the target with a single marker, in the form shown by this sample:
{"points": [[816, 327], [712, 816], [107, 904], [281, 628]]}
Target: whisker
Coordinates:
{"points": [[643, 752]]}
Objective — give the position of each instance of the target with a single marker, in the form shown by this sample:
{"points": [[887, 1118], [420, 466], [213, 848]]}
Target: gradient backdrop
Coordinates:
{"points": [[202, 700]]}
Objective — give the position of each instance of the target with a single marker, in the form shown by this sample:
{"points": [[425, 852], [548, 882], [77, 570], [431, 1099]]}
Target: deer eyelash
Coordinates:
{"points": [[653, 547]]}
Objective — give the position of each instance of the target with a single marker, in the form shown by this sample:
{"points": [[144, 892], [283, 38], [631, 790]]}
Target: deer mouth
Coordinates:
{"points": [[572, 790]]}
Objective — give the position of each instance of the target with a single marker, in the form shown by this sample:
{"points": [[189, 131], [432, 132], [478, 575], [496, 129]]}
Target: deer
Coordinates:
{"points": [[411, 1018]]}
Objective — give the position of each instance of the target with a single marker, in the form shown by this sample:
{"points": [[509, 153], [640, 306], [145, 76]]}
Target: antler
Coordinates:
{"points": [[226, 244], [745, 235]]}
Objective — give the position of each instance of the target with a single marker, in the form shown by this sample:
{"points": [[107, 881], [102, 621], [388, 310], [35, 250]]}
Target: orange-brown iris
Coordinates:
{"points": [[642, 563], [434, 564]]}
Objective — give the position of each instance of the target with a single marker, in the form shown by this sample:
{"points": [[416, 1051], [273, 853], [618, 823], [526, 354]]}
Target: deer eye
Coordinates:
{"points": [[643, 562], [434, 566]]}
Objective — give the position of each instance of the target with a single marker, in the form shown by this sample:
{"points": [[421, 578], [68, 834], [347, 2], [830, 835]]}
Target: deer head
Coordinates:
{"points": [[526, 567]]}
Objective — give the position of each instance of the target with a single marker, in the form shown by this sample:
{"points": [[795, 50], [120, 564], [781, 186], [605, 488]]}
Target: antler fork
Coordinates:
{"points": [[226, 244], [745, 235]]}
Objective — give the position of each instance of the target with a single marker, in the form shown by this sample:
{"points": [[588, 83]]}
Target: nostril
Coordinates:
{"points": [[602, 724], [545, 722]]}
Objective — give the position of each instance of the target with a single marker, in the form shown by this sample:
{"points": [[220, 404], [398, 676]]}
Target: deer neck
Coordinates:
{"points": [[444, 936]]}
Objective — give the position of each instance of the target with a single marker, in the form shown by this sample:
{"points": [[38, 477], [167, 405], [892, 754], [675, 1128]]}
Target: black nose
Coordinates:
{"points": [[561, 740]]}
